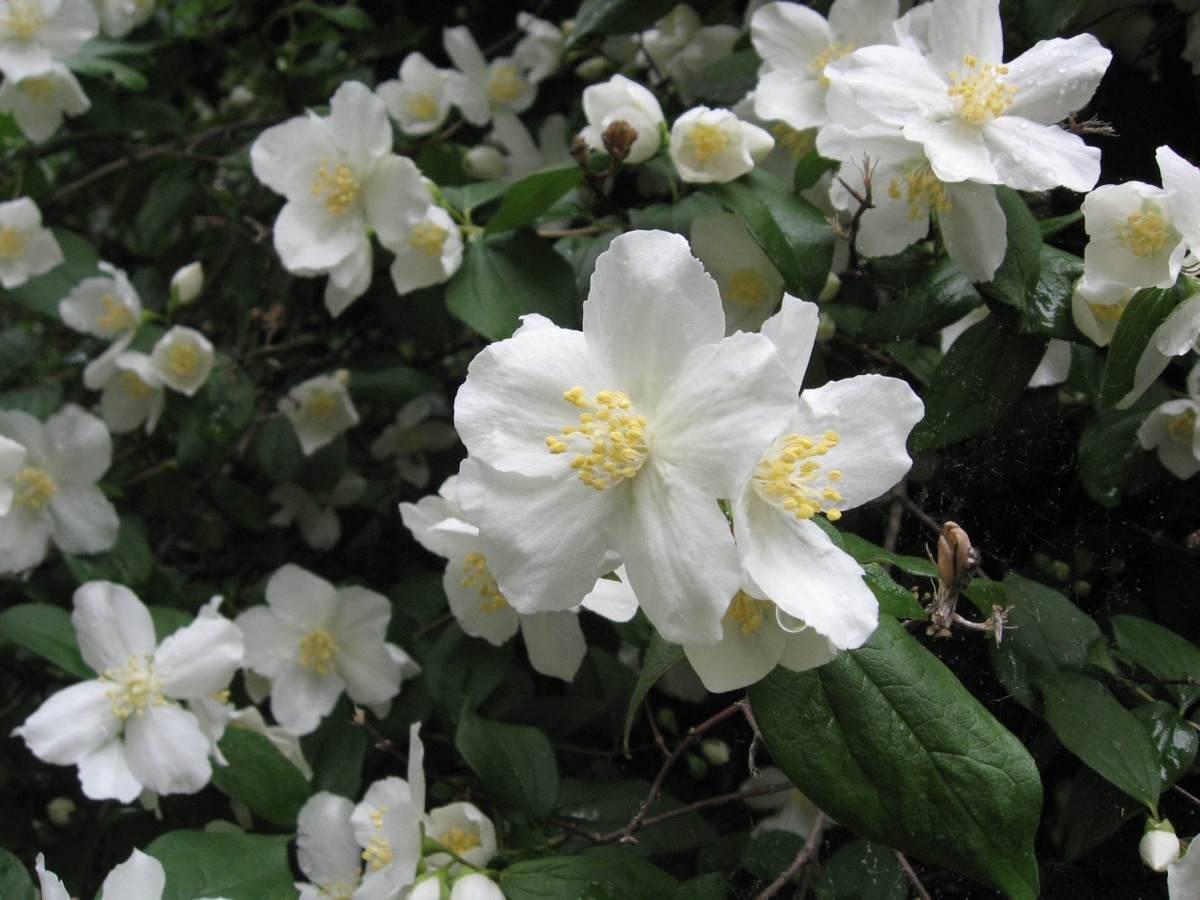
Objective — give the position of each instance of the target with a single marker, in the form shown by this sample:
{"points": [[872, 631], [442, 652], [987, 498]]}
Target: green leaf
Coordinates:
{"points": [[617, 872], [888, 742], [660, 656], [345, 16], [1043, 21], [1173, 736], [921, 360], [728, 80], [1112, 461], [1015, 281], [336, 751], [1161, 652], [865, 552], [894, 600], [515, 763], [15, 883], [864, 871], [790, 230], [986, 594], [533, 195], [130, 561], [1050, 227], [394, 385], [261, 777], [705, 887], [225, 406], [100, 66], [809, 169], [41, 294], [507, 276], [47, 631], [941, 297], [978, 382], [617, 16], [1147, 310], [769, 853], [234, 866], [462, 669], [468, 197], [1048, 310], [41, 400]]}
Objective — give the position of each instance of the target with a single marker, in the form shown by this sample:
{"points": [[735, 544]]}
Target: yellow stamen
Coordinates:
{"points": [[747, 611], [923, 191], [834, 51], [378, 852], [116, 316], [33, 488], [136, 688], [24, 20], [984, 94], [477, 574], [321, 404], [1143, 234], [1182, 427], [707, 141], [184, 359], [506, 84], [746, 288], [789, 476], [460, 841], [12, 242], [317, 650], [614, 433], [428, 238], [132, 384], [421, 105], [337, 185], [337, 890], [1108, 312]]}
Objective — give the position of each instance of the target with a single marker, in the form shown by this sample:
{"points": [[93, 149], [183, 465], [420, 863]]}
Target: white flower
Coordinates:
{"points": [[413, 433], [39, 102], [105, 306], [35, 33], [596, 447], [126, 730], [476, 886], [714, 145], [1159, 846], [314, 641], [751, 287], [978, 118], [622, 100], [319, 525], [523, 156], [483, 88], [319, 409], [680, 48], [133, 394], [140, 877], [187, 283], [183, 359], [797, 43], [1096, 308], [794, 812], [12, 456], [540, 48], [1176, 336], [463, 828], [1172, 430], [428, 248], [26, 248], [1132, 239], [418, 101], [1183, 875], [54, 492], [119, 17]]}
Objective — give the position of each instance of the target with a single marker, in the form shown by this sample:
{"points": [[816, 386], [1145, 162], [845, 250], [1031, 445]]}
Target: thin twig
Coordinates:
{"points": [[912, 876], [806, 853]]}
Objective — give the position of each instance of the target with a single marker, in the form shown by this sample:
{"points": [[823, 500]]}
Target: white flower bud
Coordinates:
{"points": [[826, 328], [485, 163], [476, 887], [429, 889], [187, 283], [833, 284], [59, 810], [715, 750], [1159, 846]]}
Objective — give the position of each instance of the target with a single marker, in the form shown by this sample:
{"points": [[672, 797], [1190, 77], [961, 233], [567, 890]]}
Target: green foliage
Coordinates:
{"points": [[236, 866], [259, 776], [660, 656], [47, 631], [515, 763], [605, 872], [532, 196]]}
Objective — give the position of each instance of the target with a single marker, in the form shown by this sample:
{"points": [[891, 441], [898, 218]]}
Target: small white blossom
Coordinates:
{"points": [[319, 525], [714, 145], [751, 287], [680, 48], [481, 89], [428, 248], [119, 17], [476, 886], [465, 829], [39, 102], [26, 248], [319, 409], [418, 100], [187, 283], [133, 395], [1096, 308], [539, 50], [1159, 846], [620, 99], [1172, 430], [183, 359], [105, 306], [35, 33], [1133, 240], [412, 434]]}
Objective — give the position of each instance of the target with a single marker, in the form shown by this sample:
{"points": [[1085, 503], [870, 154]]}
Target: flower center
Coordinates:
{"points": [[506, 84], [421, 105], [1143, 234], [1108, 312], [428, 238], [116, 316], [983, 93], [789, 476], [131, 383], [746, 287], [184, 359], [794, 141], [614, 432], [33, 488], [12, 242], [317, 650], [25, 19], [378, 852], [923, 191], [829, 54], [746, 611], [337, 890], [320, 405], [707, 141], [460, 841], [476, 574], [337, 185], [1182, 427], [38, 88], [136, 687]]}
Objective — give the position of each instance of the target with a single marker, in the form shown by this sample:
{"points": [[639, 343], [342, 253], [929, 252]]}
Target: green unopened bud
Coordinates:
{"points": [[59, 810], [833, 284], [697, 767], [715, 750], [187, 283], [593, 69], [1159, 846], [826, 328]]}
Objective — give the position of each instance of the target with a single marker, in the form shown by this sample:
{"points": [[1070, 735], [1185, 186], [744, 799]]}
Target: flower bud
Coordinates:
{"points": [[833, 284], [485, 163], [59, 810], [1159, 846], [476, 887], [187, 283], [826, 328], [429, 889], [715, 750]]}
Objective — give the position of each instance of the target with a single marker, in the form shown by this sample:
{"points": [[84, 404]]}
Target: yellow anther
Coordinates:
{"points": [[984, 94], [747, 612], [834, 51], [116, 316], [476, 574], [428, 238], [922, 190], [12, 242], [317, 650], [506, 84], [135, 687], [707, 141], [790, 477], [321, 404], [38, 88], [337, 890], [25, 19], [132, 384], [1108, 312], [1143, 234], [33, 488], [421, 105], [614, 435], [1182, 428], [746, 288], [460, 841], [184, 359], [337, 184], [378, 852]]}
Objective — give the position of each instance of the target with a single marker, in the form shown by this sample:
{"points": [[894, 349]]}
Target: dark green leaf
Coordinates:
{"points": [[346, 16], [617, 16], [809, 169], [1173, 736], [468, 197], [532, 196], [618, 873], [1147, 310], [226, 404], [130, 562], [460, 668], [985, 594], [1043, 21], [248, 507], [1112, 461], [921, 360], [234, 866], [676, 217], [888, 742], [41, 294], [41, 401], [864, 871], [507, 276], [336, 751], [1050, 227], [100, 66], [603, 805], [769, 853], [395, 385], [894, 600], [728, 80], [1015, 281], [1048, 310], [791, 231], [15, 883], [47, 631], [515, 763], [705, 887], [865, 552], [977, 383], [660, 656], [1161, 652], [261, 777], [940, 298]]}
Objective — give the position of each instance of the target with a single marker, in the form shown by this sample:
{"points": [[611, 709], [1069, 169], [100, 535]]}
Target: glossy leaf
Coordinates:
{"points": [[1112, 462], [1173, 737], [894, 600], [1015, 282], [940, 298], [1147, 310], [47, 631], [533, 195], [15, 883], [617, 16], [1161, 652], [260, 777], [515, 763], [601, 872]]}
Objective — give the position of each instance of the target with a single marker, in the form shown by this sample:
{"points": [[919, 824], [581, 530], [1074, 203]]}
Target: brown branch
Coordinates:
{"points": [[1191, 797], [912, 876], [806, 853]]}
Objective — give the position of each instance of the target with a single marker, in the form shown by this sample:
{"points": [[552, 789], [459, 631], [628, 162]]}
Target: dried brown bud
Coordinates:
{"points": [[579, 152], [957, 559], [618, 139]]}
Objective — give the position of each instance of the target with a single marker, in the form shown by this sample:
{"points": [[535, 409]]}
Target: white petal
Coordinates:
{"points": [[24, 539], [105, 775], [79, 444], [966, 27], [167, 751], [614, 600], [793, 331], [1181, 181], [83, 520], [301, 698], [806, 650], [199, 659], [325, 846], [312, 239], [956, 149], [798, 102], [111, 625], [140, 877], [1033, 157], [51, 885], [1056, 77], [285, 157], [72, 724], [555, 643], [974, 229], [359, 120], [270, 643], [738, 659], [349, 279], [474, 615], [300, 598]]}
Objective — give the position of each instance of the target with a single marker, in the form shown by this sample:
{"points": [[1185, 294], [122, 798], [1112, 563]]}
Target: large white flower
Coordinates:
{"points": [[35, 33], [39, 102], [26, 248], [126, 730], [613, 444], [313, 641], [622, 100], [714, 145], [54, 492], [428, 248], [977, 117]]}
